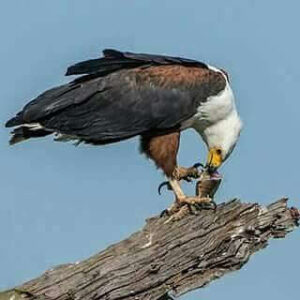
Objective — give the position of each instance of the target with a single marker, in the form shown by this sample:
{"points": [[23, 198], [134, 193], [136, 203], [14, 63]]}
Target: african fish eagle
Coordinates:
{"points": [[123, 94]]}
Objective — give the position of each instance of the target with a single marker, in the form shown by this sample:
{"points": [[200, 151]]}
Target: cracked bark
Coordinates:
{"points": [[167, 259]]}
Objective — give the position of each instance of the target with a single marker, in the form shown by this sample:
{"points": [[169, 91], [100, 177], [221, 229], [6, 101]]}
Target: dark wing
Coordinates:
{"points": [[123, 103], [114, 60]]}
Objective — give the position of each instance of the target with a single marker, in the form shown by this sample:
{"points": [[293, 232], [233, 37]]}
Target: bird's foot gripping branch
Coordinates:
{"points": [[206, 187]]}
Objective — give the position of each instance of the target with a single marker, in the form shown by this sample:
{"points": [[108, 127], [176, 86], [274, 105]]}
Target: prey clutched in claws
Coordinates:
{"points": [[206, 187]]}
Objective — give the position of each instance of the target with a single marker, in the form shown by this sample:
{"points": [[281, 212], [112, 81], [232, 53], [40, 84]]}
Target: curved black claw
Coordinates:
{"points": [[165, 297], [193, 208], [214, 204], [198, 165], [164, 213], [196, 174], [206, 205], [165, 183], [187, 179]]}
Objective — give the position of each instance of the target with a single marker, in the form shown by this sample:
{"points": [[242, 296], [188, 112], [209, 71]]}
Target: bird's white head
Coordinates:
{"points": [[221, 139]]}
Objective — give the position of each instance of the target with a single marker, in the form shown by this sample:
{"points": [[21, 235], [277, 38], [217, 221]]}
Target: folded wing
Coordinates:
{"points": [[123, 95]]}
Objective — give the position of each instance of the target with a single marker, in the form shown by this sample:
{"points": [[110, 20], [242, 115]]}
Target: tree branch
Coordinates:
{"points": [[167, 259]]}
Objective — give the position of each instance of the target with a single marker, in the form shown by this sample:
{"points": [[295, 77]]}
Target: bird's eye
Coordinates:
{"points": [[219, 151]]}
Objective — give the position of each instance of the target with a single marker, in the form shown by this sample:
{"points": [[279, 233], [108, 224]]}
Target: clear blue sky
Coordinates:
{"points": [[61, 204]]}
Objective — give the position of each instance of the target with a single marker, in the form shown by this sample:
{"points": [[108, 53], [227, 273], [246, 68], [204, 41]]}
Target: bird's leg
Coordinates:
{"points": [[181, 173], [179, 194], [182, 199], [184, 204]]}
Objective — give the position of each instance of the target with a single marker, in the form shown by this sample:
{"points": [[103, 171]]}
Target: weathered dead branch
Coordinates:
{"points": [[167, 259]]}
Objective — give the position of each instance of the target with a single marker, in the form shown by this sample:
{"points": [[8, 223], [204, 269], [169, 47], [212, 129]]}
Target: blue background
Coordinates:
{"points": [[61, 203]]}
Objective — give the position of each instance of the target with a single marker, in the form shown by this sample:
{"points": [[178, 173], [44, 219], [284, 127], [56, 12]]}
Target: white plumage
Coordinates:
{"points": [[217, 120]]}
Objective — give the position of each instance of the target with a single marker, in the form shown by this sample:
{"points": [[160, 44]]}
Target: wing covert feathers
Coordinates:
{"points": [[123, 95], [114, 60]]}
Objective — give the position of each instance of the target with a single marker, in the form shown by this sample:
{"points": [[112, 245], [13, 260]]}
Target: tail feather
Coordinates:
{"points": [[15, 121], [23, 133]]}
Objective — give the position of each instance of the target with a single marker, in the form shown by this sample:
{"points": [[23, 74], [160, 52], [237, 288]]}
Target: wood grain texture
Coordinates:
{"points": [[167, 259]]}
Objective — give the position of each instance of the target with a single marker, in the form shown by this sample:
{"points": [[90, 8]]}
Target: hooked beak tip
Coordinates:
{"points": [[211, 169]]}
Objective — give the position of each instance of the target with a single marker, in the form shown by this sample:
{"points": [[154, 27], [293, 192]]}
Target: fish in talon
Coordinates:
{"points": [[208, 185]]}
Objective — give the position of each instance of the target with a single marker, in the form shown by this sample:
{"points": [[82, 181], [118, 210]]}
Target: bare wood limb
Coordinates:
{"points": [[167, 259]]}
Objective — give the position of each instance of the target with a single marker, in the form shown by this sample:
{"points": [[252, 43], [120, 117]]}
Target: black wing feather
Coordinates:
{"points": [[102, 109], [114, 60], [119, 113], [53, 101]]}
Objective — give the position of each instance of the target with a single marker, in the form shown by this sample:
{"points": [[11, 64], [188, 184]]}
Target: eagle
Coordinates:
{"points": [[122, 95]]}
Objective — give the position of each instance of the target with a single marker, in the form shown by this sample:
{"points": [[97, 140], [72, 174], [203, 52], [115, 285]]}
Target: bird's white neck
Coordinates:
{"points": [[224, 132]]}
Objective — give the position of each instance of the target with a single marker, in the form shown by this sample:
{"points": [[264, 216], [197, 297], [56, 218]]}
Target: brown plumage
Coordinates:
{"points": [[172, 76], [162, 150]]}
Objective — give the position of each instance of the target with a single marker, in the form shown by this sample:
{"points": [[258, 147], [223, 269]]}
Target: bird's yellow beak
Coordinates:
{"points": [[214, 158]]}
